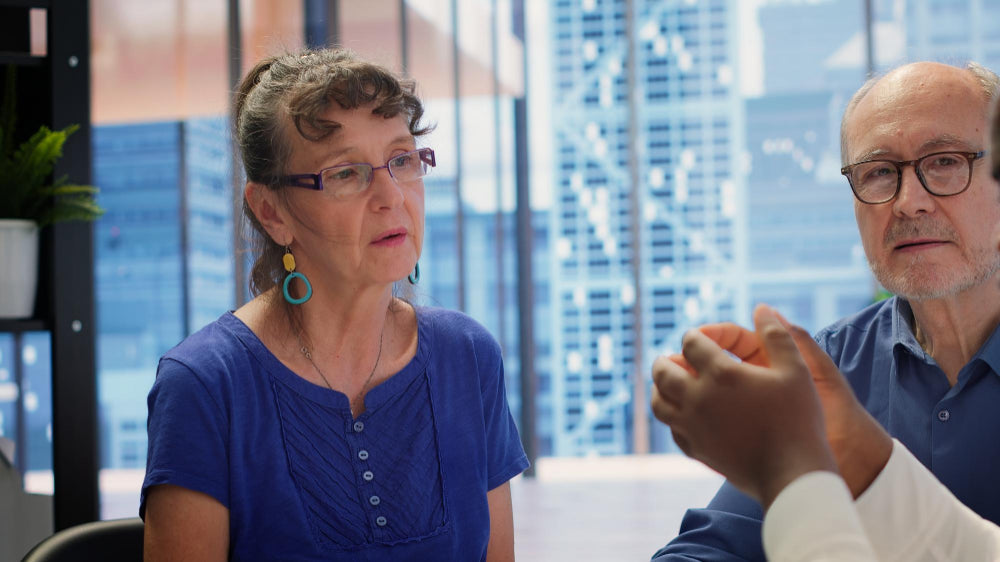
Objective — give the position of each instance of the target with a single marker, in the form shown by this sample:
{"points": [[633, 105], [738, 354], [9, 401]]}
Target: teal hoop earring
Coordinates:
{"points": [[414, 277], [289, 261]]}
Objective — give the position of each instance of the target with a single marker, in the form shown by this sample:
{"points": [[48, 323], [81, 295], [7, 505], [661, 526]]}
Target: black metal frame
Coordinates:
{"points": [[322, 23], [68, 262], [525, 240], [59, 87]]}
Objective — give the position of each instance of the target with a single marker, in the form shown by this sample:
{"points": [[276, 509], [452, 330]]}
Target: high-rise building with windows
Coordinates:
{"points": [[952, 31], [805, 256], [681, 198], [164, 259], [731, 200]]}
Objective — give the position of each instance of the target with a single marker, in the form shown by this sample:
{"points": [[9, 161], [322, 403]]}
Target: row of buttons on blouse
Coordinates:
{"points": [[368, 475]]}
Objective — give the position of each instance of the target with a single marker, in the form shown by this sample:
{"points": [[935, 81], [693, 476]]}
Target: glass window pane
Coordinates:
{"points": [[372, 28], [26, 405], [431, 63], [480, 190], [10, 391], [270, 27], [36, 396], [162, 159], [732, 190]]}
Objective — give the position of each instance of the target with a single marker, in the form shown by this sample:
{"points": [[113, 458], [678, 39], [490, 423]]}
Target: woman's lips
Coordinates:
{"points": [[392, 237]]}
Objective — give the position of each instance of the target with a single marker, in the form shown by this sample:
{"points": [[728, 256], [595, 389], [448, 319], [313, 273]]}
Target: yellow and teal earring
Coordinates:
{"points": [[289, 261], [414, 277]]}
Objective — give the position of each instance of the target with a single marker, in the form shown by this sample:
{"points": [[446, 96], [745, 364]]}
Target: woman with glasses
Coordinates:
{"points": [[328, 419]]}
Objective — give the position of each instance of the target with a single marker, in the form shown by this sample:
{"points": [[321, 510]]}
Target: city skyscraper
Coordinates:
{"points": [[655, 158], [805, 254], [164, 259], [732, 200], [953, 32]]}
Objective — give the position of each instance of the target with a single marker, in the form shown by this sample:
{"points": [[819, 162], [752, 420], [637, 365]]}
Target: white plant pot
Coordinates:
{"points": [[18, 267]]}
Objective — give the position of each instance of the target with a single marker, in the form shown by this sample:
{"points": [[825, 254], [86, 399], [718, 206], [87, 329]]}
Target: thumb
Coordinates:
{"points": [[820, 365], [778, 343], [681, 361]]}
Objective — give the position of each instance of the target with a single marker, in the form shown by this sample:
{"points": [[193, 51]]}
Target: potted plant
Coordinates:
{"points": [[30, 199]]}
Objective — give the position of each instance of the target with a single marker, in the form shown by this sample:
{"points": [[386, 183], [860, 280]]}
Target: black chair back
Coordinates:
{"points": [[111, 540]]}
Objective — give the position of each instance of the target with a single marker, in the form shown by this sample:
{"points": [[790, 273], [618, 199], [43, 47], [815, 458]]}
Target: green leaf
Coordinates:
{"points": [[76, 208], [55, 190], [26, 188], [26, 191]]}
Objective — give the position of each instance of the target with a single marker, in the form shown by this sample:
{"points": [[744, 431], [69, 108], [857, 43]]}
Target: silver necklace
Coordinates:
{"points": [[306, 353]]}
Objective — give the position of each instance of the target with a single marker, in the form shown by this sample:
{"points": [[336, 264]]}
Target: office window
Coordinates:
{"points": [[165, 263]]}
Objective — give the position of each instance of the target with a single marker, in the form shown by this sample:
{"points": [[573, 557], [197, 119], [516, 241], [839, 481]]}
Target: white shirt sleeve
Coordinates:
{"points": [[909, 515], [906, 514], [813, 519]]}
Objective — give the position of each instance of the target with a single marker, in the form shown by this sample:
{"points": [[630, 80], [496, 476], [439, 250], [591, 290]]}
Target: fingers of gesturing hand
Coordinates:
{"points": [[674, 385], [682, 441], [703, 355], [737, 340], [669, 388], [680, 360], [667, 410], [671, 379]]}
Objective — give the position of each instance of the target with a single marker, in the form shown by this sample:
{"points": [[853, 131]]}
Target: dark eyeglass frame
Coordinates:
{"points": [[970, 157], [315, 181]]}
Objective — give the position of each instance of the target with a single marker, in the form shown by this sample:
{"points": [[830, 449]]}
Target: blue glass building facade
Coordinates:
{"points": [[689, 197], [164, 259], [739, 196]]}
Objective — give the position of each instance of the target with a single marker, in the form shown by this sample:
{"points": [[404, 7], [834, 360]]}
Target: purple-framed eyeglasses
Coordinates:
{"points": [[347, 179]]}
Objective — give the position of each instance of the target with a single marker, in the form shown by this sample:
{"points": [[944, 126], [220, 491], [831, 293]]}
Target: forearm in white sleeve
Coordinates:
{"points": [[909, 515], [814, 520]]}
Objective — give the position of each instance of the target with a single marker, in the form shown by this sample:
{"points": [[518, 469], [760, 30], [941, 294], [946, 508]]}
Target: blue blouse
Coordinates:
{"points": [[304, 480], [952, 430]]}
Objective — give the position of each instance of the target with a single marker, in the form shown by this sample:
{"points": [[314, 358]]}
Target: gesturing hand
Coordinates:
{"points": [[860, 445], [759, 421]]}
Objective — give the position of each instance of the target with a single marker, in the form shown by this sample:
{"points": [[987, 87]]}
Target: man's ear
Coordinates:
{"points": [[269, 212]]}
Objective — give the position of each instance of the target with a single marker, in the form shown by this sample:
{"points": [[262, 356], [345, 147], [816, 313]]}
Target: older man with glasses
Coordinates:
{"points": [[926, 362]]}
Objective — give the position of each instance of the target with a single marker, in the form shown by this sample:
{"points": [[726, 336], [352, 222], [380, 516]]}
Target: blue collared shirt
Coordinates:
{"points": [[953, 430]]}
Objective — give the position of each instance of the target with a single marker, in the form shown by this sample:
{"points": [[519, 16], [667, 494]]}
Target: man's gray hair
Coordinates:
{"points": [[988, 80]]}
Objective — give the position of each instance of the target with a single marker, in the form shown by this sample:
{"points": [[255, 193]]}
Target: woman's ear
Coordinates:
{"points": [[265, 204]]}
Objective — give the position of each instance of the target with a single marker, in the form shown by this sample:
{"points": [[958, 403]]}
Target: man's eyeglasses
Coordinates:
{"points": [[941, 173], [347, 179]]}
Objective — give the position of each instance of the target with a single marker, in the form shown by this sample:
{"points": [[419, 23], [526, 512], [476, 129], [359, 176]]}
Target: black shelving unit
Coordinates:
{"points": [[22, 326], [54, 90], [20, 60]]}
